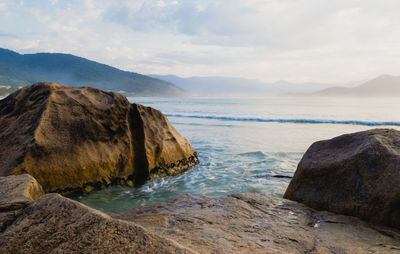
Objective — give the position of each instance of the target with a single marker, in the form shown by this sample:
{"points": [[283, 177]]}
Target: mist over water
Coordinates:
{"points": [[244, 145]]}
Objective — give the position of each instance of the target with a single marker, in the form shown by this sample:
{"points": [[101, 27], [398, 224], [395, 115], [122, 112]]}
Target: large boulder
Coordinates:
{"points": [[79, 138], [355, 174], [254, 223]]}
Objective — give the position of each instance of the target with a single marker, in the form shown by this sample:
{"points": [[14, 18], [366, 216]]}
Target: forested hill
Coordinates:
{"points": [[24, 69]]}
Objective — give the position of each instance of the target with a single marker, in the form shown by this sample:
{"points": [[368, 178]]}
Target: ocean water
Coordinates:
{"points": [[247, 144]]}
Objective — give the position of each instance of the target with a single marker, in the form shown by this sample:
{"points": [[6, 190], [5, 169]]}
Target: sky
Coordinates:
{"points": [[270, 40]]}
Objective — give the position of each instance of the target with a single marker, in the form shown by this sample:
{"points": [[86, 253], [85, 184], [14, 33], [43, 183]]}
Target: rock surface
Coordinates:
{"points": [[165, 151], [55, 224], [79, 138], [17, 191], [254, 223], [242, 223], [355, 174]]}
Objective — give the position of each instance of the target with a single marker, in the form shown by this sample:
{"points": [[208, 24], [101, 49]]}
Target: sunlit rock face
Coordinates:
{"points": [[80, 138], [355, 174]]}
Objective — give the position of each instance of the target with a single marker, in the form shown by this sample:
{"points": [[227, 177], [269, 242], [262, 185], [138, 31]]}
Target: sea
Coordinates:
{"points": [[247, 144]]}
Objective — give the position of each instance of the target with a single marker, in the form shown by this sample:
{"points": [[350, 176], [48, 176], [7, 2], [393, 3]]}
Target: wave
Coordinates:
{"points": [[257, 154], [287, 120]]}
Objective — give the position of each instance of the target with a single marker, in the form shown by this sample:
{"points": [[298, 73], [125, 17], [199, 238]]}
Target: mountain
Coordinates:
{"points": [[382, 86], [17, 70], [227, 86]]}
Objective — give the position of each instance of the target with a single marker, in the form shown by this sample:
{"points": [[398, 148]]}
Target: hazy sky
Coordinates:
{"points": [[295, 40]]}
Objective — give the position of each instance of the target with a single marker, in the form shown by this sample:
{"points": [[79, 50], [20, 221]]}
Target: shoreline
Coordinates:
{"points": [[70, 137], [186, 224]]}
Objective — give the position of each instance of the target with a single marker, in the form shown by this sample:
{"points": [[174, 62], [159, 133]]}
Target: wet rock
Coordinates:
{"points": [[355, 174], [254, 223], [80, 138]]}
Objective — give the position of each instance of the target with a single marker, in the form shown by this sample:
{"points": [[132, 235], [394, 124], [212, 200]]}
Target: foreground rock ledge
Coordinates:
{"points": [[254, 223], [55, 224], [243, 223], [80, 138], [354, 174]]}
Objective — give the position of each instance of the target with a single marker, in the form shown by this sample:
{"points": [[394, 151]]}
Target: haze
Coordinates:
{"points": [[294, 40]]}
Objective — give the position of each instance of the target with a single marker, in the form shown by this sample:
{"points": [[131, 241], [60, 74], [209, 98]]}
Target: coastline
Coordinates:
{"points": [[317, 218], [245, 222]]}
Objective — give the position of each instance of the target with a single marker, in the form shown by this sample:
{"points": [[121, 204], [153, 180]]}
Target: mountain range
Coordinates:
{"points": [[382, 86], [18, 70], [228, 86]]}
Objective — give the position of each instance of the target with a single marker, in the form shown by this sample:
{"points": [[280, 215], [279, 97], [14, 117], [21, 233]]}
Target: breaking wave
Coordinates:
{"points": [[288, 120]]}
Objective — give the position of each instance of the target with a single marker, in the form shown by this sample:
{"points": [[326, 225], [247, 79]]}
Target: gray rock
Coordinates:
{"points": [[355, 174], [254, 223], [242, 223]]}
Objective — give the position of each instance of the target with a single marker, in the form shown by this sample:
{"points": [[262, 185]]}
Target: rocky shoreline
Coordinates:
{"points": [[62, 139], [242, 223]]}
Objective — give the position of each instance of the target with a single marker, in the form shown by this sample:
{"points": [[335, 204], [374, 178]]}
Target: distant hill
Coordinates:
{"points": [[382, 86], [23, 69], [227, 86]]}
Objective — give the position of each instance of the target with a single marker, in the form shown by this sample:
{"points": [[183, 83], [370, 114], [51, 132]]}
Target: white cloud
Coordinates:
{"points": [[306, 40], [3, 5], [161, 3], [22, 44]]}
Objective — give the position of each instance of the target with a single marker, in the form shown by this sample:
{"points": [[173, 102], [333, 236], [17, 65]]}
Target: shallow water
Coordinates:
{"points": [[243, 144]]}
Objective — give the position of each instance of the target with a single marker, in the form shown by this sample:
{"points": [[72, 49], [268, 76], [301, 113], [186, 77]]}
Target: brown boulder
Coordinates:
{"points": [[55, 224], [355, 174], [80, 138], [17, 191], [254, 223]]}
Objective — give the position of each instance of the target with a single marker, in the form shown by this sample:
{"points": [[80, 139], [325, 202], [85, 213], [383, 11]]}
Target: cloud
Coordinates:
{"points": [[278, 25], [3, 6], [8, 35], [229, 22], [22, 44], [305, 40]]}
